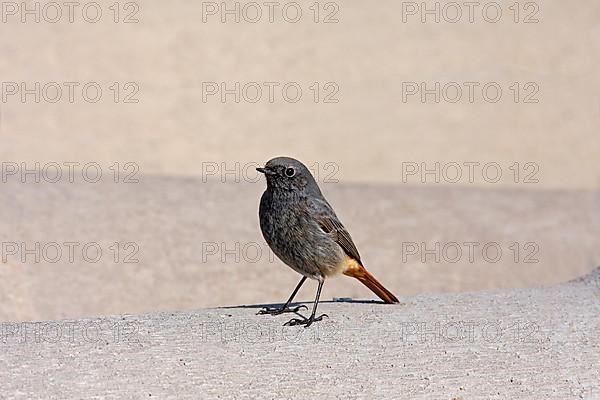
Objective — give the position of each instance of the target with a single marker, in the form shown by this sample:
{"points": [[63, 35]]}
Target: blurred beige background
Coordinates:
{"points": [[369, 53], [369, 135]]}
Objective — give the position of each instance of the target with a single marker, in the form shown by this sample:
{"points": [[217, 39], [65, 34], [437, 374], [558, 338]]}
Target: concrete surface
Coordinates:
{"points": [[175, 221], [537, 343]]}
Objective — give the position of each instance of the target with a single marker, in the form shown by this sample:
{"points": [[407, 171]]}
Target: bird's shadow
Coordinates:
{"points": [[295, 304]]}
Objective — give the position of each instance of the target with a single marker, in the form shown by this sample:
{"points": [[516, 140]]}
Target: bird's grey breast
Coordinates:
{"points": [[292, 231], [281, 218]]}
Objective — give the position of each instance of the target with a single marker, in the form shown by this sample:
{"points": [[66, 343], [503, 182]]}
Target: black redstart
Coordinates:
{"points": [[302, 229]]}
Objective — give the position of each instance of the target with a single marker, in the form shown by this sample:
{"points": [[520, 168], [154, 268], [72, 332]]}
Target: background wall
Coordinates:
{"points": [[367, 134], [368, 54]]}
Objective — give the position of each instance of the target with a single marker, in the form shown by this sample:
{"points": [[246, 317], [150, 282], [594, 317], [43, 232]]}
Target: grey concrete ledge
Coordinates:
{"points": [[538, 343]]}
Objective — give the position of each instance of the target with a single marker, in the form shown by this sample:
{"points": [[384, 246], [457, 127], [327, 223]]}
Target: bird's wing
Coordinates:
{"points": [[330, 224]]}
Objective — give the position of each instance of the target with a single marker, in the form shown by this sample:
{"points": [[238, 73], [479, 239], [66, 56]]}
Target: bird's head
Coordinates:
{"points": [[289, 174]]}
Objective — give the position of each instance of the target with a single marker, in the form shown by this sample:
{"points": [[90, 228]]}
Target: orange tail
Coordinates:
{"points": [[356, 270]]}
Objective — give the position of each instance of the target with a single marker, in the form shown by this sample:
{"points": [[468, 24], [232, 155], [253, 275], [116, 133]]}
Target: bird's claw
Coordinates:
{"points": [[306, 322], [277, 311]]}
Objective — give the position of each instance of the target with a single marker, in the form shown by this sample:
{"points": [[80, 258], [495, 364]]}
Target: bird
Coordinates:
{"points": [[303, 231]]}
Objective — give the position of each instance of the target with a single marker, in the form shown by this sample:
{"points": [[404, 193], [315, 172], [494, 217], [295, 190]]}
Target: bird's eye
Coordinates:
{"points": [[290, 172]]}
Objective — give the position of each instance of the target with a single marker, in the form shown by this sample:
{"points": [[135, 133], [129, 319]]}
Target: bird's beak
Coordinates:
{"points": [[265, 170]]}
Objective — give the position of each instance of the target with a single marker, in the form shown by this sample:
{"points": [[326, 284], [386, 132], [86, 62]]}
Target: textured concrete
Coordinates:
{"points": [[538, 343]]}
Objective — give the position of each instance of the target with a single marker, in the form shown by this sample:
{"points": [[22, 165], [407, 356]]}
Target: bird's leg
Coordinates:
{"points": [[308, 322], [285, 308]]}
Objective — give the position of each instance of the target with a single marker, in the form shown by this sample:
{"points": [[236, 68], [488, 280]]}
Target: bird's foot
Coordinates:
{"points": [[282, 310], [306, 321]]}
